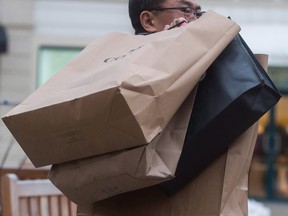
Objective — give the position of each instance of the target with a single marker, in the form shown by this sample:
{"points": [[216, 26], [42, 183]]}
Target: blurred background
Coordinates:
{"points": [[38, 37]]}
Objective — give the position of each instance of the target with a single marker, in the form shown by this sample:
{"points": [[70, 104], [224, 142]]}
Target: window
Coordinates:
{"points": [[52, 59]]}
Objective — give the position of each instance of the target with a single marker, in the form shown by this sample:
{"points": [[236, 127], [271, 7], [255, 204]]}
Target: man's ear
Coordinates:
{"points": [[148, 20]]}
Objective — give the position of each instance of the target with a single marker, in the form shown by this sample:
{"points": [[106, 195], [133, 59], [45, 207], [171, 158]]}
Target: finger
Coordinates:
{"points": [[181, 19], [166, 27]]}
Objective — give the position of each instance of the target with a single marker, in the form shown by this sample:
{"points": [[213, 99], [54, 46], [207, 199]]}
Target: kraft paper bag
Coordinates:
{"points": [[89, 180], [118, 93], [226, 178], [221, 189]]}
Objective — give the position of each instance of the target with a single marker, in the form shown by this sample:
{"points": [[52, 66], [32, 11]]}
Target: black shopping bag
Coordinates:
{"points": [[235, 93]]}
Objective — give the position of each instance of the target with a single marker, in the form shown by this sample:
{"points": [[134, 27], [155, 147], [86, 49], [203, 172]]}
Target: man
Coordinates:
{"points": [[149, 16]]}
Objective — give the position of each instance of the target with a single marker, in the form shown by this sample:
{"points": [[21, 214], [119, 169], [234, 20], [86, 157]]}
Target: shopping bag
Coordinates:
{"points": [[221, 189], [234, 94], [118, 93], [96, 178]]}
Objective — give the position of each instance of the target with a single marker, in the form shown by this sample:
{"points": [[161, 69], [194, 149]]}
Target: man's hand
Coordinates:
{"points": [[176, 23]]}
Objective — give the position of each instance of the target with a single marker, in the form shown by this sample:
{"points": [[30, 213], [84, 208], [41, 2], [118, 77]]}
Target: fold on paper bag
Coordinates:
{"points": [[89, 180], [221, 189]]}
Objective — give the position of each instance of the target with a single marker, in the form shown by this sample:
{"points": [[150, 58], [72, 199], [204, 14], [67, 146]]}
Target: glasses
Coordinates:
{"points": [[190, 14]]}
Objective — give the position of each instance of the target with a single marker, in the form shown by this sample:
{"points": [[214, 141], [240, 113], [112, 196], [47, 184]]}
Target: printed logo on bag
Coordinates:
{"points": [[73, 136], [113, 59]]}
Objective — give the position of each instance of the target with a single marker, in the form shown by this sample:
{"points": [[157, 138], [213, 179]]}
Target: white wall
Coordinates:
{"points": [[80, 18], [264, 25], [17, 17]]}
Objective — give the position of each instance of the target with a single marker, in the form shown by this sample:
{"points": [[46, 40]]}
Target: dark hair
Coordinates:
{"points": [[135, 9]]}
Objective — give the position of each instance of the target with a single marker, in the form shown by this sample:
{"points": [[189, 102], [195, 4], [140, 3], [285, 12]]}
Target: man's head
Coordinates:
{"points": [[152, 15]]}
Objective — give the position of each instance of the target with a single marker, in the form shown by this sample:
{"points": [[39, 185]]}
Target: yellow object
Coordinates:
{"points": [[281, 115]]}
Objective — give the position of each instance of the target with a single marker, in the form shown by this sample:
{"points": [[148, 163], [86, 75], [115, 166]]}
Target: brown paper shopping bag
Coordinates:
{"points": [[92, 179], [119, 93], [221, 189]]}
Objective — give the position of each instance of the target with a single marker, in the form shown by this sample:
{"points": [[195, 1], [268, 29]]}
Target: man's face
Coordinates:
{"points": [[166, 17]]}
